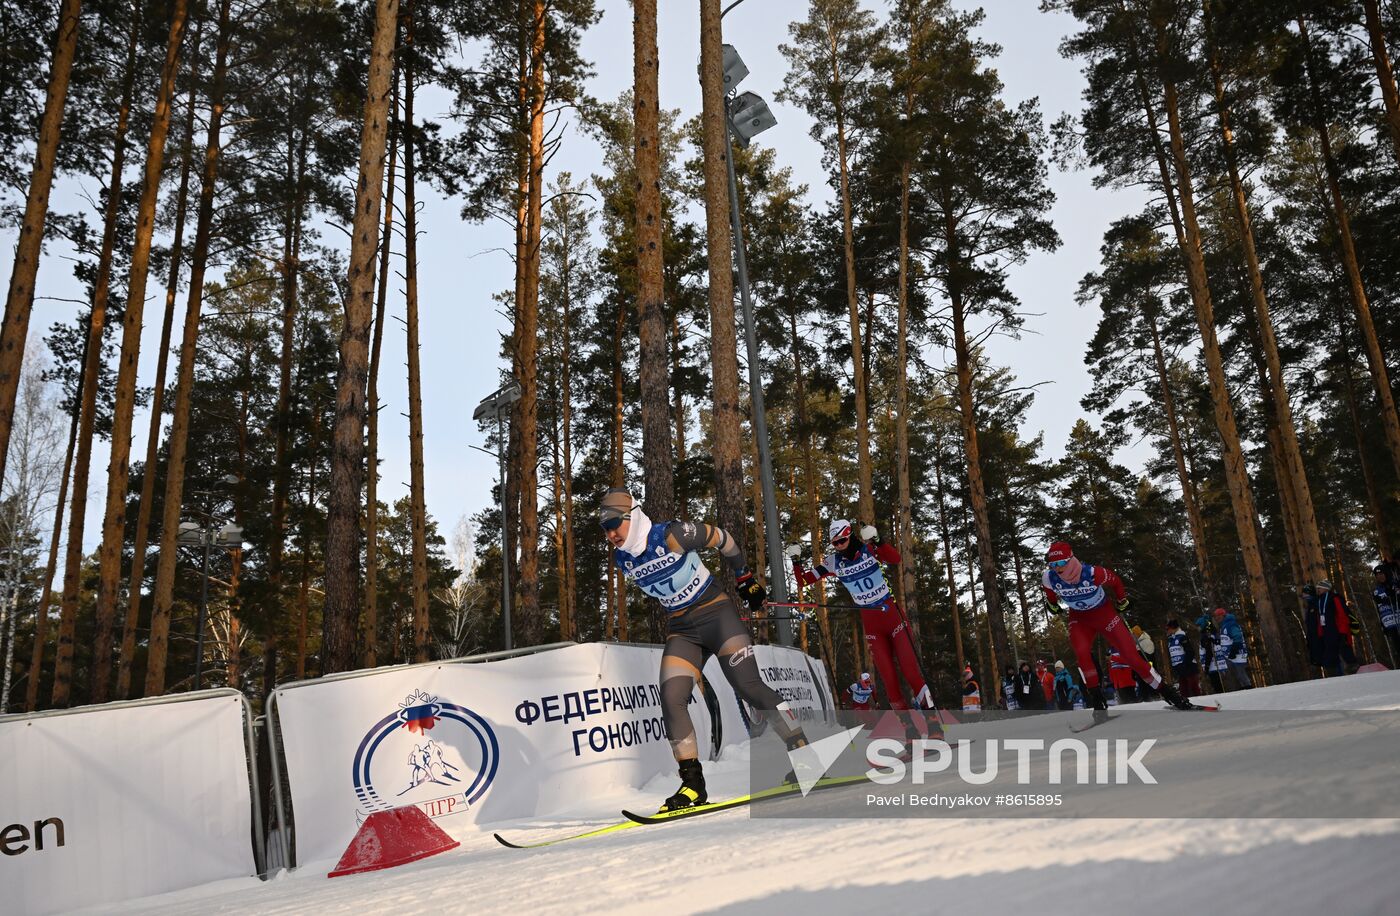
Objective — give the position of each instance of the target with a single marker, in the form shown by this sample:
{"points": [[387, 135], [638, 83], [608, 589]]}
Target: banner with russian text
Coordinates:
{"points": [[473, 743]]}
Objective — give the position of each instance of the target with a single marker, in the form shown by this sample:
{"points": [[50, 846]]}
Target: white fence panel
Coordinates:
{"points": [[125, 800]]}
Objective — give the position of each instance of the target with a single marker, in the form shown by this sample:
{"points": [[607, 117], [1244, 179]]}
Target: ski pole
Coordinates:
{"points": [[812, 604]]}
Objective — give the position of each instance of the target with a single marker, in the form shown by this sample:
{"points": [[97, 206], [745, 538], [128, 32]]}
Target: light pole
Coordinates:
{"points": [[497, 403], [202, 534], [749, 116]]}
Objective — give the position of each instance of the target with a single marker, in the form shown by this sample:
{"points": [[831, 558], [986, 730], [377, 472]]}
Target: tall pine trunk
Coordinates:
{"points": [[1375, 357], [569, 600], [342, 556], [1188, 485], [1295, 479], [901, 436], [87, 410], [1342, 366], [811, 496], [102, 651], [41, 612], [1385, 76], [726, 418], [1181, 200], [866, 505], [657, 463], [977, 489], [527, 341], [418, 521], [372, 408], [292, 229], [119, 467], [19, 301], [141, 537], [948, 550], [163, 595], [303, 591]]}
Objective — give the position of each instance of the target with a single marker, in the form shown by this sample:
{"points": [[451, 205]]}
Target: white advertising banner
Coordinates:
{"points": [[800, 679], [121, 802], [471, 743]]}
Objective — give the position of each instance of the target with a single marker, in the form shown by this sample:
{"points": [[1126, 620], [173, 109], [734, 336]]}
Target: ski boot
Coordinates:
{"points": [[1174, 697], [797, 766], [1099, 704], [692, 790], [932, 720]]}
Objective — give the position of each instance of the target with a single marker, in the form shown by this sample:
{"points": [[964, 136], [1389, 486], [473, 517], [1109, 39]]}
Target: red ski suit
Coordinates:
{"points": [[887, 630], [1092, 601]]}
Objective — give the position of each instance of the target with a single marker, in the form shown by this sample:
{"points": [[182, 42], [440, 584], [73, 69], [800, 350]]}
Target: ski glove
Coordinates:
{"points": [[1124, 604], [752, 593]]}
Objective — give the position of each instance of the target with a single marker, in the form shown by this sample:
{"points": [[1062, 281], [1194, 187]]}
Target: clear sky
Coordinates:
{"points": [[462, 265]]}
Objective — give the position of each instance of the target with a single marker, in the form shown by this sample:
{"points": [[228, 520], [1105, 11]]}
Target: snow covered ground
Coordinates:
{"points": [[730, 862]]}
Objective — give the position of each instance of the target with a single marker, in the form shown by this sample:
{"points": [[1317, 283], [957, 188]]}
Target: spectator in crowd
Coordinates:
{"points": [[972, 693], [1064, 686], [1231, 640], [1011, 696], [1389, 610], [1121, 677], [1181, 655], [862, 693], [1327, 627], [1029, 694], [1047, 682], [1149, 652], [1212, 658]]}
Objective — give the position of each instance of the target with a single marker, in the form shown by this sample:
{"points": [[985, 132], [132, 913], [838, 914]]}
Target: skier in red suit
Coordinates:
{"points": [[857, 563], [1093, 596]]}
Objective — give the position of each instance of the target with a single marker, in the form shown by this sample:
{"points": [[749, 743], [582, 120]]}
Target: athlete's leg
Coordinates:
{"points": [[1081, 639], [876, 622], [680, 671], [725, 635], [902, 636], [1117, 634]]}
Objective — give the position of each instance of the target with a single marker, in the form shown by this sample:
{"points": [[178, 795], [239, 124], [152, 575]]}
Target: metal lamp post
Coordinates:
{"points": [[202, 534], [749, 116], [497, 403]]}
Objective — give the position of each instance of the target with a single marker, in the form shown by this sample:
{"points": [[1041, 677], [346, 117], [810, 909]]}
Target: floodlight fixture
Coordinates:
{"points": [[734, 68], [749, 116], [497, 401]]}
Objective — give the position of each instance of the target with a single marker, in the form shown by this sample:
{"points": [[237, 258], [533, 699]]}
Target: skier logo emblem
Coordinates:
{"points": [[398, 762]]}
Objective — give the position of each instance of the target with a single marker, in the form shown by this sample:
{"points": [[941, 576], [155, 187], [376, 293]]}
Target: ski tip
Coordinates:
{"points": [[505, 842]]}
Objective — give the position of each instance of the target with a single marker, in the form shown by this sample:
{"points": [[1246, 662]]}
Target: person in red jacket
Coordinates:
{"points": [[857, 564], [1047, 683], [1092, 596]]}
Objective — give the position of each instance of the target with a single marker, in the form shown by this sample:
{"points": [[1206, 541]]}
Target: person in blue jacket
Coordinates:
{"points": [[1231, 641], [1065, 688]]}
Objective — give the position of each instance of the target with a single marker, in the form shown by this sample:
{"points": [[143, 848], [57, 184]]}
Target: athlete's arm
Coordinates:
{"points": [[1111, 583], [683, 537], [885, 553]]}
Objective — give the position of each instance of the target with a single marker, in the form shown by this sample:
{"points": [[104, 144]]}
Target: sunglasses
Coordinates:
{"points": [[841, 541], [611, 524], [1058, 564]]}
